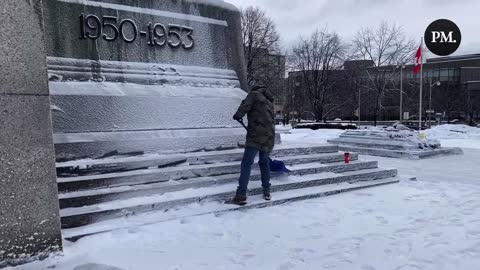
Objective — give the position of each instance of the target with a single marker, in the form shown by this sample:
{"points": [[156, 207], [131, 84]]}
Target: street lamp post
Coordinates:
{"points": [[402, 67], [359, 105], [438, 83]]}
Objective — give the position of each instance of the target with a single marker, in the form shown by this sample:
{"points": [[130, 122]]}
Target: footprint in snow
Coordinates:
{"points": [[435, 244], [405, 231], [329, 266], [381, 220], [336, 246], [473, 233], [286, 266], [248, 256], [436, 234], [184, 221], [297, 250], [94, 266], [408, 267], [364, 194], [134, 230], [219, 234], [352, 239]]}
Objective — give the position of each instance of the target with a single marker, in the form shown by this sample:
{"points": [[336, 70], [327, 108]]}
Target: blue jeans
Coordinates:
{"points": [[246, 168]]}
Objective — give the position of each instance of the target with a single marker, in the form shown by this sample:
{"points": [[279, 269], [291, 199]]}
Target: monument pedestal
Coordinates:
{"points": [[143, 76], [29, 212]]}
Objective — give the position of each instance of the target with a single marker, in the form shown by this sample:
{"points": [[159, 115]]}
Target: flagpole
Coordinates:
{"points": [[421, 89]]}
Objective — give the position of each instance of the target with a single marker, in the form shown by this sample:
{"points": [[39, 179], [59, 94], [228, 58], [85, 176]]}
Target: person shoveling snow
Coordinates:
{"points": [[275, 165], [258, 106]]}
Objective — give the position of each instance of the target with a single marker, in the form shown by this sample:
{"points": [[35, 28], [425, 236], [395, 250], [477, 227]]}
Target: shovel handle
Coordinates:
{"points": [[241, 122]]}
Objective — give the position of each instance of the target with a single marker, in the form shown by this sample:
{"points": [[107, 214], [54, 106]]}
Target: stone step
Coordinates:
{"points": [[78, 183], [380, 152], [76, 217], [107, 165], [89, 197], [218, 208], [378, 144], [418, 154]]}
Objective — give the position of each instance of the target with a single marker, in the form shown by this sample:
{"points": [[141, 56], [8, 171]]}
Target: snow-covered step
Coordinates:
{"points": [[76, 217], [218, 208], [89, 197], [391, 143], [95, 166], [68, 184], [370, 143], [411, 154]]}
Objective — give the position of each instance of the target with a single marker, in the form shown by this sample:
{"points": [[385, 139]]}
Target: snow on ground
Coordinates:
{"points": [[413, 225], [449, 135], [451, 168], [456, 136], [308, 136], [432, 223]]}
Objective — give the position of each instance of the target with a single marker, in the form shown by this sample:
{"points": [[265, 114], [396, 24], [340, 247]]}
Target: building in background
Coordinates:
{"points": [[454, 83], [269, 70], [458, 94]]}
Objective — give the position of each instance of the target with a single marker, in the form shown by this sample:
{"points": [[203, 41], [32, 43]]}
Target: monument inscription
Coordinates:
{"points": [[110, 28]]}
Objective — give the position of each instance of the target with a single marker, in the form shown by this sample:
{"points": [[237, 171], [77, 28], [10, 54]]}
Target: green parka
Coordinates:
{"points": [[258, 106]]}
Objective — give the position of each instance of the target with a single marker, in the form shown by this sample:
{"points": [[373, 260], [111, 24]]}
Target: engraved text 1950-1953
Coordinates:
{"points": [[110, 28]]}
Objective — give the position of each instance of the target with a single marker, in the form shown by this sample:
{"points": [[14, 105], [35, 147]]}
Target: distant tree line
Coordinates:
{"points": [[323, 86]]}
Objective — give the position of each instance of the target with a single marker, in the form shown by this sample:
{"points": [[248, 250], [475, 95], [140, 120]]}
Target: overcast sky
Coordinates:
{"points": [[295, 17]]}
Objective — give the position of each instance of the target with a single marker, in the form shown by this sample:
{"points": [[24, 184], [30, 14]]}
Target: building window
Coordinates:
{"points": [[444, 74]]}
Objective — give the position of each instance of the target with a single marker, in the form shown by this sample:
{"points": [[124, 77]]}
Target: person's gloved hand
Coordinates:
{"points": [[237, 118]]}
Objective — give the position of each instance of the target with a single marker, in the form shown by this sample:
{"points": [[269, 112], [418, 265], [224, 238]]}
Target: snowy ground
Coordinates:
{"points": [[456, 135], [307, 136], [432, 223]]}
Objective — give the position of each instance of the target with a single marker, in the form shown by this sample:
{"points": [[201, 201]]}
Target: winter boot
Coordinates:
{"points": [[266, 195], [239, 200]]}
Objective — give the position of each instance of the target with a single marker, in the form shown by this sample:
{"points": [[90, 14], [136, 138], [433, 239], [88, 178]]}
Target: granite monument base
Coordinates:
{"points": [[29, 211]]}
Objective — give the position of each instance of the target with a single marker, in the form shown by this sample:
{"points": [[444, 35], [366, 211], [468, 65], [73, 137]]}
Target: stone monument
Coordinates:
{"points": [[143, 76], [29, 213], [397, 141], [124, 77]]}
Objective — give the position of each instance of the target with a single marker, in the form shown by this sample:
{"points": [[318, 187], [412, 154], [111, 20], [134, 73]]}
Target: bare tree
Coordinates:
{"points": [[260, 38], [471, 106], [388, 49], [317, 58]]}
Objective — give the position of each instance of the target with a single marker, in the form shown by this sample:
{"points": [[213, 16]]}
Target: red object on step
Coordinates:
{"points": [[347, 158]]}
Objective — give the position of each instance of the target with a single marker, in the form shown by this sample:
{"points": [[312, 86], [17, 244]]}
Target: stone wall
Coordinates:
{"points": [[29, 215]]}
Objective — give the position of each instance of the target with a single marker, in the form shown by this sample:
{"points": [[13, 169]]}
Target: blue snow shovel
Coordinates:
{"points": [[275, 165]]}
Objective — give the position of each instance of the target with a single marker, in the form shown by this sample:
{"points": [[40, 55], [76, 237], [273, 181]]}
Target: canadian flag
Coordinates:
{"points": [[418, 60]]}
